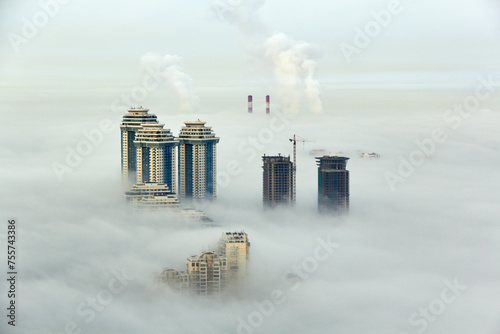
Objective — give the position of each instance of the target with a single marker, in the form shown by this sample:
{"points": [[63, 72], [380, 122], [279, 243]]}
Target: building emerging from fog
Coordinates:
{"points": [[235, 247], [278, 178], [333, 184], [175, 279], [210, 272], [149, 164], [131, 123], [157, 196], [197, 161], [155, 155], [152, 195], [207, 273]]}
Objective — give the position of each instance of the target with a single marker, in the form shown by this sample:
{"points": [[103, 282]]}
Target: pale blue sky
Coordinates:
{"points": [[108, 38]]}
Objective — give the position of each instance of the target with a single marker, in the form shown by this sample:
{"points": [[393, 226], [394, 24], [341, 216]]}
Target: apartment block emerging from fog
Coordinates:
{"points": [[177, 280], [235, 247], [333, 184], [131, 123], [210, 272], [278, 179], [207, 273], [155, 153], [197, 161]]}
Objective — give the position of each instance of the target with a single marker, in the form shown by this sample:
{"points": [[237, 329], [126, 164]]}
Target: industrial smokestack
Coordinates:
{"points": [[250, 107], [268, 111]]}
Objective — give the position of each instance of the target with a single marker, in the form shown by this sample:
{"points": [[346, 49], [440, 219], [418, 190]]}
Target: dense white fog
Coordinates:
{"points": [[419, 250]]}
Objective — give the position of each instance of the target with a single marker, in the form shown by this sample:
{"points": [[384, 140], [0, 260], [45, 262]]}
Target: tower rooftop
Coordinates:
{"points": [[195, 123], [138, 109]]}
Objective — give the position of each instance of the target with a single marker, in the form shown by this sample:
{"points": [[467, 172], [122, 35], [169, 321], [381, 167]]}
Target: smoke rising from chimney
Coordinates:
{"points": [[294, 70], [168, 68], [293, 62]]}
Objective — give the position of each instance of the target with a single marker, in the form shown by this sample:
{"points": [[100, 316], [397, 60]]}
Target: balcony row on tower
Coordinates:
{"points": [[148, 153]]}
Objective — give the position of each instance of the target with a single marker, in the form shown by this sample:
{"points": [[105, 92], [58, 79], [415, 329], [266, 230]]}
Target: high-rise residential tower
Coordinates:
{"points": [[210, 272], [197, 161], [333, 184], [207, 273], [278, 181], [131, 123], [235, 247], [155, 153]]}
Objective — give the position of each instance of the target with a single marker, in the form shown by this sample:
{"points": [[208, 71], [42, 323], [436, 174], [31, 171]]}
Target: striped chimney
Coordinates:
{"points": [[250, 107], [268, 111]]}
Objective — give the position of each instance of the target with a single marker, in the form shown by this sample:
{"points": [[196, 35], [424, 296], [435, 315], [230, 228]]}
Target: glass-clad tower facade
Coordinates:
{"points": [[333, 184], [197, 161], [131, 123], [155, 155]]}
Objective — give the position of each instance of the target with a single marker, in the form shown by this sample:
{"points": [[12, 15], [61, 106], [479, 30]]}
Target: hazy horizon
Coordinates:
{"points": [[422, 217]]}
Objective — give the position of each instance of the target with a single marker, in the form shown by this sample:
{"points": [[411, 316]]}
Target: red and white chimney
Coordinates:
{"points": [[250, 106], [268, 111]]}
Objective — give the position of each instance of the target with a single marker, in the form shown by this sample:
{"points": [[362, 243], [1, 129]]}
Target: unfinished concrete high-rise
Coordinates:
{"points": [[333, 184], [278, 179]]}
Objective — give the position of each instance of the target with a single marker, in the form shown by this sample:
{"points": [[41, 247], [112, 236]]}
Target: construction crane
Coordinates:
{"points": [[294, 140]]}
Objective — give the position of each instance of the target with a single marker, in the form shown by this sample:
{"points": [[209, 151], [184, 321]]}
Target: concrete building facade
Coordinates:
{"points": [[175, 279], [235, 247], [333, 184], [207, 273], [131, 123], [278, 179], [197, 161], [211, 272]]}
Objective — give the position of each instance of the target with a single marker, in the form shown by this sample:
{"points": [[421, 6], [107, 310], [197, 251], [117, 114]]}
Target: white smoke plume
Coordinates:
{"points": [[294, 70], [168, 69], [293, 62]]}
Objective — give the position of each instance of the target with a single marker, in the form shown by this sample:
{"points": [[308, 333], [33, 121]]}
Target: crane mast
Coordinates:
{"points": [[294, 140]]}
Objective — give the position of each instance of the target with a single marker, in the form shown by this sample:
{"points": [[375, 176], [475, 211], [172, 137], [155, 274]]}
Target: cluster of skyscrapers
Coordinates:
{"points": [[211, 272], [159, 169], [150, 167], [279, 177]]}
